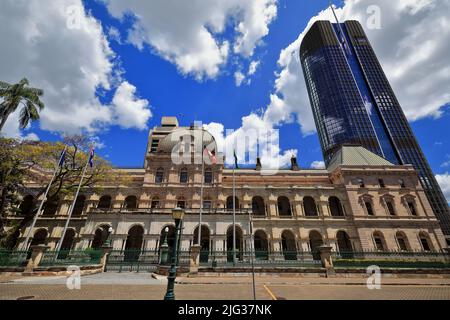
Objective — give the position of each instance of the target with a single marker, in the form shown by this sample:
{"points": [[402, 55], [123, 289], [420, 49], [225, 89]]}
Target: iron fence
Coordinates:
{"points": [[13, 258], [71, 257], [392, 259]]}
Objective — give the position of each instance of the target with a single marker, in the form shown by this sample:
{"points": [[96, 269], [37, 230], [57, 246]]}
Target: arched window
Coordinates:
{"points": [[204, 242], [284, 206], [402, 241], [335, 207], [79, 205], [239, 243], [67, 244], [100, 236], [230, 203], [261, 245], [40, 237], [184, 175], [104, 203], [380, 243], [425, 241], [360, 182], [207, 204], [208, 176], [258, 206], [366, 202], [159, 177], [288, 245], [344, 243], [51, 206], [134, 242], [315, 241], [181, 203], [310, 206], [130, 203], [27, 205], [155, 203]]}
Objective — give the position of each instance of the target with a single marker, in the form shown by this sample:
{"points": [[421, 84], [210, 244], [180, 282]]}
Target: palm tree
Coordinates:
{"points": [[20, 93]]}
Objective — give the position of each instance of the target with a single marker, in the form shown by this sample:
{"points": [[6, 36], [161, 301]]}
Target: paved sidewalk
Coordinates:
{"points": [[132, 286], [305, 280]]}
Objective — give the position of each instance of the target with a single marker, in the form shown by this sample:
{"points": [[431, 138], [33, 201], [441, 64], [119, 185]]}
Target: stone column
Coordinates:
{"points": [[325, 257], [194, 259], [106, 252], [36, 257]]}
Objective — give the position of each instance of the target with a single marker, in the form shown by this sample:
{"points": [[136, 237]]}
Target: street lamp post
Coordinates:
{"points": [[177, 215], [108, 238], [164, 248]]}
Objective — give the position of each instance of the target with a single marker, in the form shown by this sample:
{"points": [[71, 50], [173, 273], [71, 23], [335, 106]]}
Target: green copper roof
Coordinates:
{"points": [[356, 156]]}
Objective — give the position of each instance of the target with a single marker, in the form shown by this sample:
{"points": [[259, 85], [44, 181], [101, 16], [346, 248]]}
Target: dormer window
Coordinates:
{"points": [[183, 175], [401, 182], [381, 183], [360, 182]]}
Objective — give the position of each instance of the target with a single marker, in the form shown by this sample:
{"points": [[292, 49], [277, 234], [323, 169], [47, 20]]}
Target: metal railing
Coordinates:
{"points": [[168, 211], [13, 258], [71, 257], [392, 259]]}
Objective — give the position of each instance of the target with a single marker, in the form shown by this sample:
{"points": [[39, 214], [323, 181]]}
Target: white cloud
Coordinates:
{"points": [[238, 78], [129, 111], [318, 164], [412, 46], [444, 182], [186, 33], [252, 67], [69, 64], [245, 140], [11, 129]]}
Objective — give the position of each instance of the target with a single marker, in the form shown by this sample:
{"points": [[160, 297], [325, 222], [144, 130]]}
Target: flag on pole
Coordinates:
{"points": [[235, 160], [211, 155], [91, 157], [62, 157]]}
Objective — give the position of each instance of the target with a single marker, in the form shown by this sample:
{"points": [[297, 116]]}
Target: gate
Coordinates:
{"points": [[132, 261]]}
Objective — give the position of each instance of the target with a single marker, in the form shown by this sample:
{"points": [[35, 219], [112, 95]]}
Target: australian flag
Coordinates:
{"points": [[91, 157], [62, 158]]}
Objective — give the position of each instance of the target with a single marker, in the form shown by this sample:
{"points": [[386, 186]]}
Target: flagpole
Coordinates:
{"points": [[25, 244], [201, 197], [251, 253], [234, 216], [60, 242]]}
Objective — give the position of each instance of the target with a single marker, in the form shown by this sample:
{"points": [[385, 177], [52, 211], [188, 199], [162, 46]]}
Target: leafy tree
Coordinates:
{"points": [[20, 93], [26, 168]]}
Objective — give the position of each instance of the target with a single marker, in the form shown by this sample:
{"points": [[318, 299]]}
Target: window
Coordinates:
{"points": [[425, 245], [412, 208], [207, 204], [284, 206], [402, 244], [208, 176], [390, 207], [401, 182], [369, 208], [378, 243], [381, 183], [183, 175], [181, 204], [155, 203], [360, 182], [159, 176]]}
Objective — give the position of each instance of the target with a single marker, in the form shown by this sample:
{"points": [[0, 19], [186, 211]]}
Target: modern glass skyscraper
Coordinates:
{"points": [[353, 102]]}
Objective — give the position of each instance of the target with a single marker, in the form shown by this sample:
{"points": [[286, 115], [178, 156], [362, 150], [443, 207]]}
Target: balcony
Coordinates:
{"points": [[168, 211]]}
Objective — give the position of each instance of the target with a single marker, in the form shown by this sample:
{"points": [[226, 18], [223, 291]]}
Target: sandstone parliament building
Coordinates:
{"points": [[360, 202]]}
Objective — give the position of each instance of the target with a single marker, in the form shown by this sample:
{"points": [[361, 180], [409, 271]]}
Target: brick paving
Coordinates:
{"points": [[129, 286]]}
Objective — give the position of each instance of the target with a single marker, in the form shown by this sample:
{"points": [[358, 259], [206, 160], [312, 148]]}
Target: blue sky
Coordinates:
{"points": [[157, 77]]}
